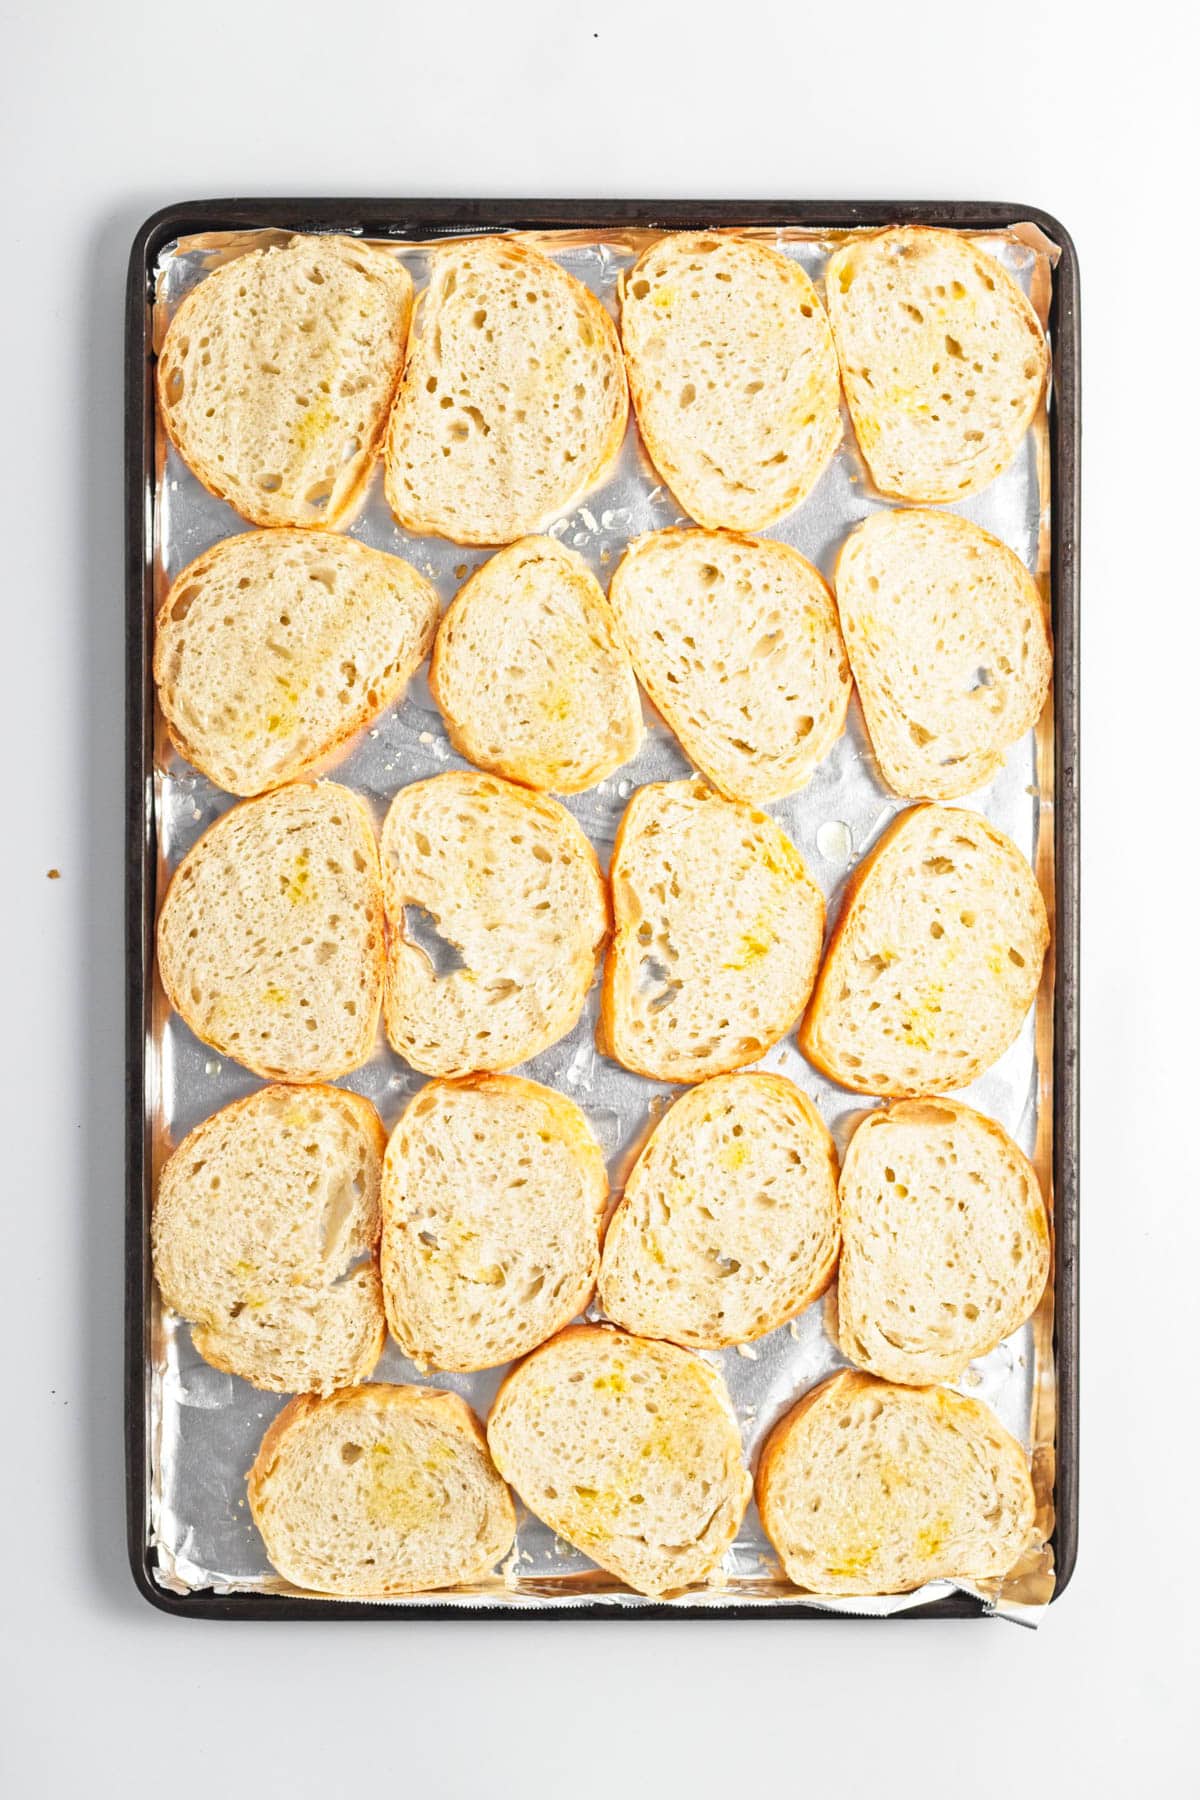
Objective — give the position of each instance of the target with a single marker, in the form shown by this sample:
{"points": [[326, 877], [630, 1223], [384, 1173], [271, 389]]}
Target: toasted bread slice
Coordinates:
{"points": [[950, 647], [270, 939], [516, 899], [513, 403], [945, 1244], [729, 1222], [493, 1194], [736, 641], [380, 1490], [277, 373], [864, 1488], [272, 649], [530, 675], [943, 359], [733, 374], [265, 1229], [934, 962], [627, 1448], [717, 935]]}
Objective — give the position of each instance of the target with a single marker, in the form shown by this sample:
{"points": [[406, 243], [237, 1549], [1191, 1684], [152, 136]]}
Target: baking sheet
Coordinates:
{"points": [[205, 1425]]}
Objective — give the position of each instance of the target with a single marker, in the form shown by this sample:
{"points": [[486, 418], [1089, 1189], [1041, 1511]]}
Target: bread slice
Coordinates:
{"points": [[736, 641], [729, 1222], [276, 375], [943, 359], [380, 1490], [513, 403], [530, 675], [265, 1228], [733, 374], [950, 647], [717, 935], [934, 962], [864, 1488], [945, 1245], [274, 648], [493, 1193], [515, 898], [628, 1449], [270, 939]]}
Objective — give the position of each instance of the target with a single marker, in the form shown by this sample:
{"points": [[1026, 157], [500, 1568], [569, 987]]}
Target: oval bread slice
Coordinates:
{"points": [[934, 962], [864, 1488], [270, 939], [733, 374], [272, 649], [380, 1490], [493, 1193], [950, 647], [737, 643], [729, 1222], [627, 1448], [513, 403], [943, 359], [945, 1245], [530, 675], [277, 372], [265, 1228], [513, 892], [717, 935]]}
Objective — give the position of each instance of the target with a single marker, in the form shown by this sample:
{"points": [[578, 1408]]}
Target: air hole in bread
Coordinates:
{"points": [[420, 929]]}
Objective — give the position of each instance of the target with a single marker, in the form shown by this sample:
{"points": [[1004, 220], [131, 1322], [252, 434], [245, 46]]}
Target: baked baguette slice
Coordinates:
{"points": [[265, 1230], [627, 1448], [513, 403], [270, 939], [277, 373], [733, 374], [943, 359], [518, 907], [494, 1190], [380, 1490], [717, 935], [934, 961], [945, 1244], [529, 672], [865, 1488], [274, 648], [729, 1221], [949, 644], [736, 640]]}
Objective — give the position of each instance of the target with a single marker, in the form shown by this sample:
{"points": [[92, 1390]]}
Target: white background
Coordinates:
{"points": [[108, 111]]}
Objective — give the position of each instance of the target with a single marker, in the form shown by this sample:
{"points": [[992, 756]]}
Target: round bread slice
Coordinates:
{"points": [[627, 1448], [270, 939], [380, 1490], [513, 403], [864, 1488], [496, 918], [265, 1228], [943, 359], [493, 1194], [274, 648], [737, 643], [934, 962], [950, 647], [729, 1222], [945, 1245], [530, 675], [733, 374], [277, 372], [717, 935]]}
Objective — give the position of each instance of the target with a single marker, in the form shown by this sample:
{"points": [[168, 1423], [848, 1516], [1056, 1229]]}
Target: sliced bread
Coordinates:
{"points": [[864, 1488], [943, 359]]}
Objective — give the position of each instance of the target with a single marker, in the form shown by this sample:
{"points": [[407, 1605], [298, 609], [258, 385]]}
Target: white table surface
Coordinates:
{"points": [[108, 111]]}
